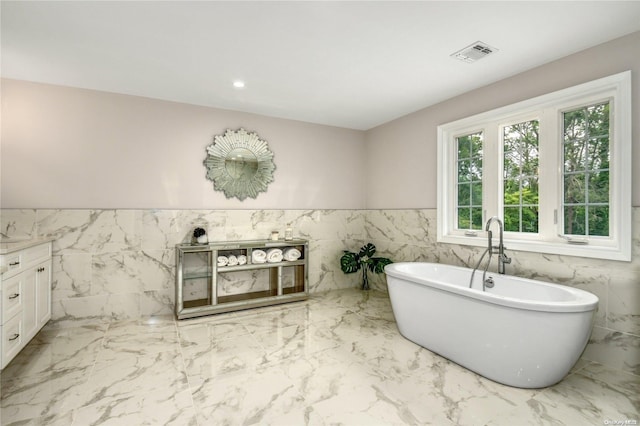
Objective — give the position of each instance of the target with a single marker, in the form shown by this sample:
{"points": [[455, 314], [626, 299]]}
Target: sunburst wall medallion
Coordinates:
{"points": [[240, 164]]}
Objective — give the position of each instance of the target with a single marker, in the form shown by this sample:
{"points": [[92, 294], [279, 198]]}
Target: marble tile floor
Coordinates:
{"points": [[337, 358]]}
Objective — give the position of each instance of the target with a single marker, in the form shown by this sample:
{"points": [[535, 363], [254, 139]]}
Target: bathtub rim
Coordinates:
{"points": [[582, 301]]}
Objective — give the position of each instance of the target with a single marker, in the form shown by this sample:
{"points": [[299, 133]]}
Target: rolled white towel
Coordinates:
{"points": [[233, 260], [223, 260], [242, 259], [274, 255], [291, 254], [258, 256]]}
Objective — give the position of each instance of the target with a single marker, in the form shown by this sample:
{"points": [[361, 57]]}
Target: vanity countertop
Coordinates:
{"points": [[10, 245]]}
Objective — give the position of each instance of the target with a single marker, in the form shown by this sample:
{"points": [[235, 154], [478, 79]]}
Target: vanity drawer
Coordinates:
{"points": [[12, 339], [12, 263], [12, 296], [36, 254]]}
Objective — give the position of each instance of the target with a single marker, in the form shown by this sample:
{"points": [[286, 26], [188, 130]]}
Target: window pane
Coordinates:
{"points": [[475, 169], [463, 170], [476, 144], [574, 220], [575, 156], [464, 218], [512, 163], [599, 187], [512, 219], [574, 188], [520, 175], [599, 221], [511, 193], [530, 184], [586, 170], [476, 217], [598, 153], [530, 219], [464, 194], [575, 125], [598, 120], [464, 147]]}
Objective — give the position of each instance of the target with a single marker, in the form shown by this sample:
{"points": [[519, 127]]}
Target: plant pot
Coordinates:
{"points": [[365, 280]]}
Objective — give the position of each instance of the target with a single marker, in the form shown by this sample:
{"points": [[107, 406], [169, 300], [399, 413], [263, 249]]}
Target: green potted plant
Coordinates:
{"points": [[351, 262]]}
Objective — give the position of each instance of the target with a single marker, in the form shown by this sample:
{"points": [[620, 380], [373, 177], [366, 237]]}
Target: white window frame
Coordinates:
{"points": [[548, 110]]}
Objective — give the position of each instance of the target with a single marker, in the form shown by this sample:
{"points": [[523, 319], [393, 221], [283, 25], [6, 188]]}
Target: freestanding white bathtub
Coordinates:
{"points": [[521, 332]]}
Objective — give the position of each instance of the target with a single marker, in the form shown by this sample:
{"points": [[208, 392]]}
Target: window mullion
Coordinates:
{"points": [[550, 173], [492, 178]]}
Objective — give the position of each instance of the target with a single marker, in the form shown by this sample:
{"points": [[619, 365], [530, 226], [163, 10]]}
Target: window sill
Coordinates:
{"points": [[563, 248]]}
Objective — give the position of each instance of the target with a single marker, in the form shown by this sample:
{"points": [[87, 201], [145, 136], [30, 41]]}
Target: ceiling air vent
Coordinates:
{"points": [[473, 52]]}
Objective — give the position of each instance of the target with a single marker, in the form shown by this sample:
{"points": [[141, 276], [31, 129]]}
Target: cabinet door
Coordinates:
{"points": [[29, 318], [43, 293], [196, 288]]}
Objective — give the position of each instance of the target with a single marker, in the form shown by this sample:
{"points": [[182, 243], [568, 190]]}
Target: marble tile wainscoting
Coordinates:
{"points": [[119, 264]]}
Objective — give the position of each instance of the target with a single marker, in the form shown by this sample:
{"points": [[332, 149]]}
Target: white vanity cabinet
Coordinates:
{"points": [[25, 294]]}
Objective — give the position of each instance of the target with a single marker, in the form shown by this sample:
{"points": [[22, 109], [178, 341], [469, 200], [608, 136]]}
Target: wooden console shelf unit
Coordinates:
{"points": [[201, 285]]}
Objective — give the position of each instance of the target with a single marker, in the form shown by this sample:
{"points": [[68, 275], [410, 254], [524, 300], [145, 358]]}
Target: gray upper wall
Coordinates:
{"points": [[66, 147], [74, 148], [401, 155]]}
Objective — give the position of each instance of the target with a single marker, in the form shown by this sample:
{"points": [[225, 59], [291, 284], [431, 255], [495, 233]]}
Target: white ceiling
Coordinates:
{"points": [[348, 64]]}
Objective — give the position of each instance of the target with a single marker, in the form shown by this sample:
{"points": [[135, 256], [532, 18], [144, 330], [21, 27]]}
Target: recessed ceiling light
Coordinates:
{"points": [[238, 84]]}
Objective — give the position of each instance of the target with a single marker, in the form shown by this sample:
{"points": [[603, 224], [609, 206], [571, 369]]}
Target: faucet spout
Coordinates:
{"points": [[502, 258]]}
